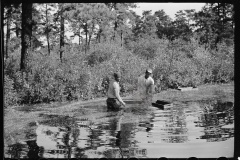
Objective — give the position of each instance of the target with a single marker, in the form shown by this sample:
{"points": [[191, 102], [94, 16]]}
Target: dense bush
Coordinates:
{"points": [[51, 80], [83, 76], [15, 43], [181, 63], [145, 48], [10, 94], [223, 70], [54, 80], [97, 57]]}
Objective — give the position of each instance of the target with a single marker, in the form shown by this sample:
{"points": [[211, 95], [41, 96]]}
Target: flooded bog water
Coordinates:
{"points": [[196, 129]]}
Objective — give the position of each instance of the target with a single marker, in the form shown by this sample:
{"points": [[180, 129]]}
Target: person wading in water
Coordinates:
{"points": [[114, 101], [146, 86]]}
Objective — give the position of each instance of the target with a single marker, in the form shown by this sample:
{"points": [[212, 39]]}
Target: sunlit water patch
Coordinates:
{"points": [[179, 131]]}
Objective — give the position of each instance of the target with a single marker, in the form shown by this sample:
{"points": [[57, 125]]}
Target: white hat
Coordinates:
{"points": [[149, 70]]}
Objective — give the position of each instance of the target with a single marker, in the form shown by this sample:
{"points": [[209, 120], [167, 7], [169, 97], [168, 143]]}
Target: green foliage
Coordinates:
{"points": [[101, 52], [215, 23], [190, 64], [12, 69], [223, 68], [56, 81], [84, 76], [10, 94], [15, 43], [145, 48], [50, 80]]}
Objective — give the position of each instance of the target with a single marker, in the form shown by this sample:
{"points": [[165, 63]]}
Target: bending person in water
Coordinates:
{"points": [[114, 101]]}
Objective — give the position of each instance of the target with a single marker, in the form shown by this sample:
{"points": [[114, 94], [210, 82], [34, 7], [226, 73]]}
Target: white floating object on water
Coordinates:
{"points": [[186, 88]]}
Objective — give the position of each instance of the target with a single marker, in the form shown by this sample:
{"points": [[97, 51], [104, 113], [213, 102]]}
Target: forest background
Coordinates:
{"points": [[41, 64]]}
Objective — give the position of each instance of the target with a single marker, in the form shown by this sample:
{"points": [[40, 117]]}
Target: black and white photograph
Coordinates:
{"points": [[118, 80]]}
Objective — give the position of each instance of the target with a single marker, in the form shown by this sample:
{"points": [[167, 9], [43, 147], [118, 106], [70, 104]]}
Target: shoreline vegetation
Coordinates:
{"points": [[20, 121]]}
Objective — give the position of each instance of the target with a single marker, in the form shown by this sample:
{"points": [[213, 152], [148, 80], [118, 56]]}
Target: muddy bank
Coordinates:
{"points": [[20, 122]]}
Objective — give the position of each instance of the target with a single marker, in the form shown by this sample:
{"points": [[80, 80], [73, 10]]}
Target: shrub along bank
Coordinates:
{"points": [[83, 76]]}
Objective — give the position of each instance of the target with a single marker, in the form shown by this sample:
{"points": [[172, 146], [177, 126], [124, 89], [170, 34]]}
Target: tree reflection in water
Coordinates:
{"points": [[17, 151], [123, 146], [33, 149], [217, 114], [67, 132], [176, 125]]}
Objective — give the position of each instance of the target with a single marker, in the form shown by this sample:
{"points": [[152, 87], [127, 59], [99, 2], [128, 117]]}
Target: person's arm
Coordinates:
{"points": [[116, 92], [150, 89]]}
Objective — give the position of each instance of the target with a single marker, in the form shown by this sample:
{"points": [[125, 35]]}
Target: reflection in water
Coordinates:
{"points": [[33, 149], [124, 143], [66, 137], [17, 151], [186, 124]]}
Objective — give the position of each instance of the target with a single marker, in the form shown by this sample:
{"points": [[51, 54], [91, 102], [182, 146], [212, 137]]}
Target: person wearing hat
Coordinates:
{"points": [[113, 93], [145, 85]]}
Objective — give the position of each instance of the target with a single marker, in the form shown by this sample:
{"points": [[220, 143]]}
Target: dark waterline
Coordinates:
{"points": [[200, 123]]}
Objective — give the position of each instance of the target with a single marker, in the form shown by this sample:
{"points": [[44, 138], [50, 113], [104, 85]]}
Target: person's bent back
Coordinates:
{"points": [[114, 101]]}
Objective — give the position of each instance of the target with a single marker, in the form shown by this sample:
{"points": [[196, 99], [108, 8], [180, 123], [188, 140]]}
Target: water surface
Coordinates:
{"points": [[201, 129]]}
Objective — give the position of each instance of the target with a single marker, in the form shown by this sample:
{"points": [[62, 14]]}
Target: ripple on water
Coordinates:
{"points": [[202, 124]]}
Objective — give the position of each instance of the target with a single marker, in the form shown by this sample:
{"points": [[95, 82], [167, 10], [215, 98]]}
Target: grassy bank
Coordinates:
{"points": [[225, 92], [20, 121]]}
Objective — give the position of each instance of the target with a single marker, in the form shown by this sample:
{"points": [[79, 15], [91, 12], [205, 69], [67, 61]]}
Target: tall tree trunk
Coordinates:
{"points": [[86, 38], [115, 30], [90, 35], [79, 34], [47, 31], [26, 37], [89, 40], [121, 39], [17, 29], [99, 36], [2, 33], [233, 18], [61, 34], [115, 23], [26, 34], [224, 17], [8, 32]]}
